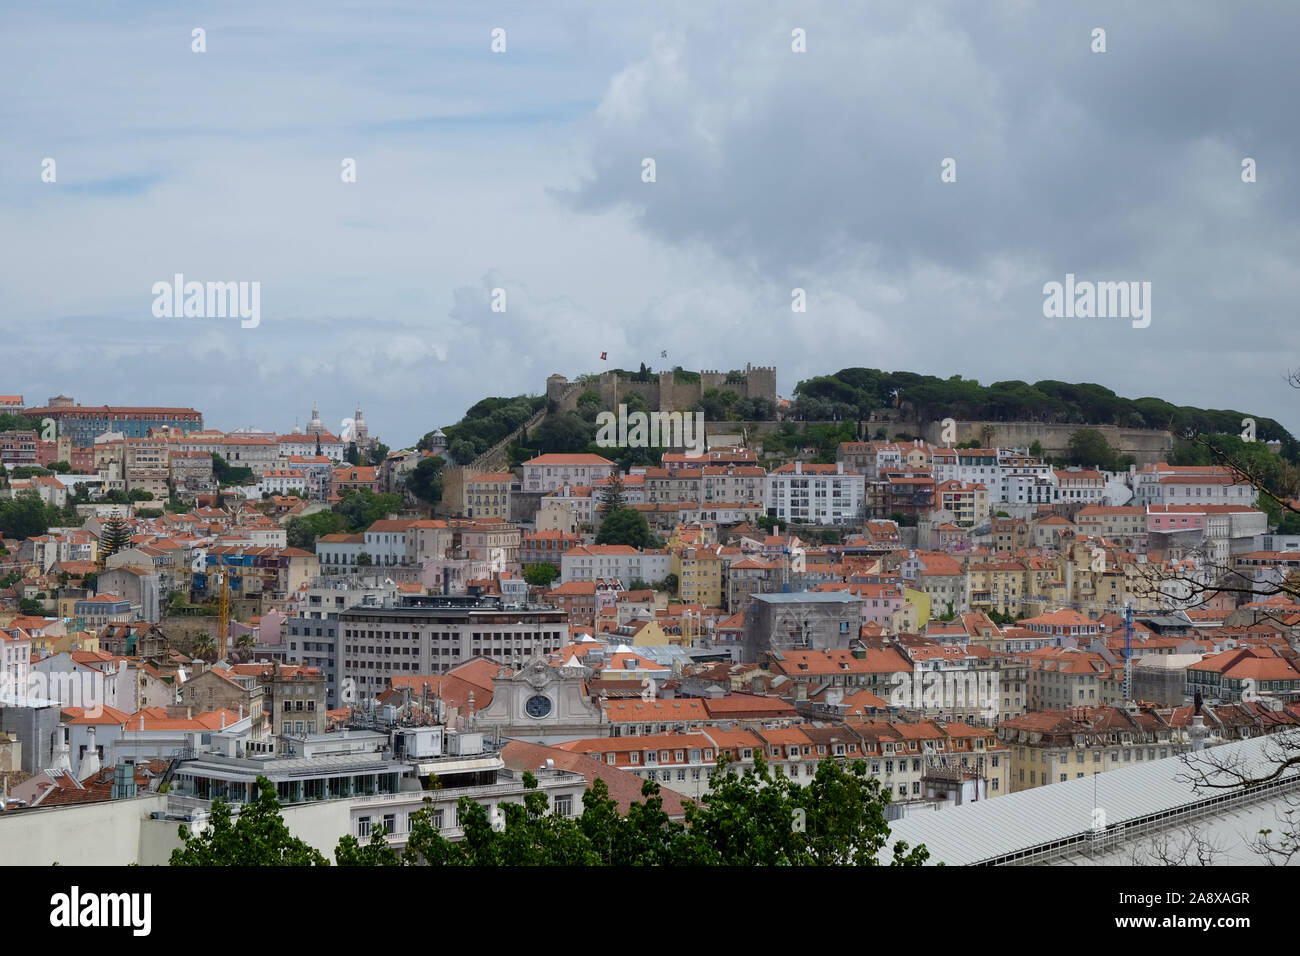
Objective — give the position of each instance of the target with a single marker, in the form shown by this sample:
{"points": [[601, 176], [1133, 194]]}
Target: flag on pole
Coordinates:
{"points": [[602, 356], [663, 354]]}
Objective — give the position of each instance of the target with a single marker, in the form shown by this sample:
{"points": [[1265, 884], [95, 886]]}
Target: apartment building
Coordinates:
{"points": [[1166, 484], [627, 564], [281, 481], [967, 465], [1126, 524], [968, 501], [1245, 673], [83, 424], [430, 634], [814, 494], [737, 484], [17, 448], [1079, 486], [1052, 746], [551, 471], [699, 576], [488, 495], [385, 542], [1061, 677], [546, 547]]}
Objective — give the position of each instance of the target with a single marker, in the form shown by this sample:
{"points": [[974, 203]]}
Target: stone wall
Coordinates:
{"points": [[1146, 445]]}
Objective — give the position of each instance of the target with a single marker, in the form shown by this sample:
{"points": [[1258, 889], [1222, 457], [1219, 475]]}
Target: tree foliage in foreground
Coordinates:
{"points": [[257, 837], [746, 819], [759, 817]]}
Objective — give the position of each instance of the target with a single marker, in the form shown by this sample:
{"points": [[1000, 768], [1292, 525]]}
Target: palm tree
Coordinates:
{"points": [[244, 644], [203, 646]]}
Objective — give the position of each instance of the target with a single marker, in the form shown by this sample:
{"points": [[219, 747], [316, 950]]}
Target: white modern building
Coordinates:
{"points": [[814, 494]]}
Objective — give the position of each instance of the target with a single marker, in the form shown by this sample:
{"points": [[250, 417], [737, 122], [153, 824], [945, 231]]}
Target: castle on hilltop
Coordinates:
{"points": [[668, 391]]}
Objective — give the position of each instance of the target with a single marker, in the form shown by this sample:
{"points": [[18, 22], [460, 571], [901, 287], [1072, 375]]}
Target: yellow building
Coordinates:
{"points": [[488, 495], [968, 501], [921, 602], [1051, 746], [998, 586], [699, 576]]}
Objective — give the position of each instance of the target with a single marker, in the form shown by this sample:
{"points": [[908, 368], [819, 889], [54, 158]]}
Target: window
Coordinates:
{"points": [[390, 822], [564, 805], [363, 826]]}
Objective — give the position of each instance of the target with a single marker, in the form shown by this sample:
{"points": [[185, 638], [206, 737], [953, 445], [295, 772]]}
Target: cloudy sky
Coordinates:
{"points": [[522, 170]]}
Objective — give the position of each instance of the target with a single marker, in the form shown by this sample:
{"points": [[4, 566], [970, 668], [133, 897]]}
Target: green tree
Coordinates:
{"points": [[361, 507], [541, 575], [1089, 448], [298, 533], [462, 451], [227, 474], [364, 560], [61, 468], [377, 852], [23, 516], [425, 479], [1036, 448], [747, 819], [625, 526], [612, 497], [115, 536], [563, 432], [257, 837]]}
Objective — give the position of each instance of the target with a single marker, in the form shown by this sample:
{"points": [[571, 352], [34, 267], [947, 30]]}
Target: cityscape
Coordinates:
{"points": [[765, 436]]}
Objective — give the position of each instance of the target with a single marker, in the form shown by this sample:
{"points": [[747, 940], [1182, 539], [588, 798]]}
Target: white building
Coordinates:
{"points": [[548, 472], [589, 562], [385, 542], [280, 481], [816, 494], [580, 503], [1080, 486]]}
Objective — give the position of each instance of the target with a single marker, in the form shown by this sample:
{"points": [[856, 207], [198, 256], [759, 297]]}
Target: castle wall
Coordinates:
{"points": [[1146, 445]]}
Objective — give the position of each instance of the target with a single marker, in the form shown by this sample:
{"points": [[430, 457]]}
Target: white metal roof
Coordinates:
{"points": [[990, 829]]}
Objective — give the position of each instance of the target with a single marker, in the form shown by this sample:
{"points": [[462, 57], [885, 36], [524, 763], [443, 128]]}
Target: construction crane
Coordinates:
{"points": [[1107, 609], [223, 613]]}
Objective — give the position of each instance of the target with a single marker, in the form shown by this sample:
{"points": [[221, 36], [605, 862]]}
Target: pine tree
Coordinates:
{"points": [[115, 537], [611, 495]]}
